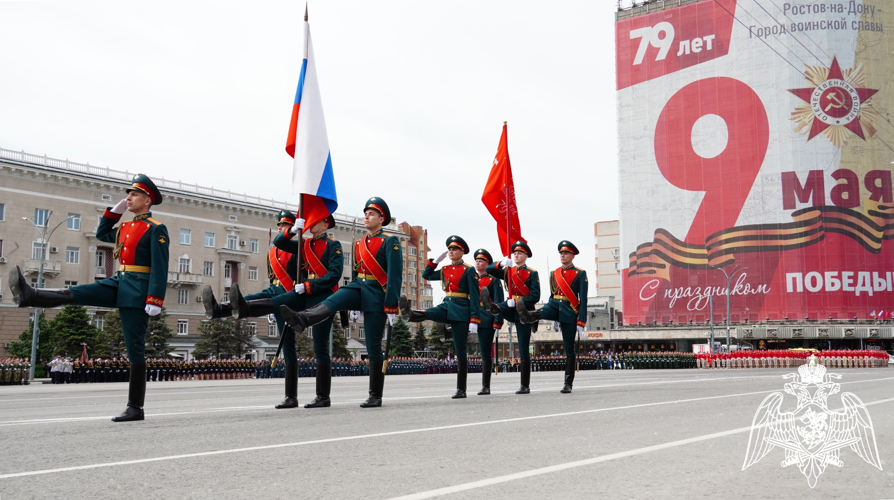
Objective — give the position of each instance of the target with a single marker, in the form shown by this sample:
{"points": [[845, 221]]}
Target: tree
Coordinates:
{"points": [[110, 340], [71, 328], [420, 342], [157, 334], [224, 339], [22, 348], [401, 343], [436, 342], [339, 342]]}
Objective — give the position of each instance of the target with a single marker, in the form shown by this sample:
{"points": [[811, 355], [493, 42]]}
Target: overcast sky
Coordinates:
{"points": [[414, 93]]}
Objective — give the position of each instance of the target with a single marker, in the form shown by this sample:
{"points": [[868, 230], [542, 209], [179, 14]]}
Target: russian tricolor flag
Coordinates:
{"points": [[308, 144]]}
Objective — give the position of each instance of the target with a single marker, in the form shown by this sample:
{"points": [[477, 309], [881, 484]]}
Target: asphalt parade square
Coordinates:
{"points": [[620, 434]]}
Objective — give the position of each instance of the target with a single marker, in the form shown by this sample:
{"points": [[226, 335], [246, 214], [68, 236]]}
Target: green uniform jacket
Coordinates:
{"points": [[458, 308], [372, 297], [532, 282], [138, 289], [578, 286], [333, 259]]}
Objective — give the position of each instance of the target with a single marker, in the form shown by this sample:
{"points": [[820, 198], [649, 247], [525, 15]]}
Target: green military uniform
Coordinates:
{"points": [[459, 307], [375, 290], [490, 323], [523, 283]]}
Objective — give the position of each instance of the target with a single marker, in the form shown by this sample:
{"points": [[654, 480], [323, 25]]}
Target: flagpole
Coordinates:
{"points": [[508, 206]]}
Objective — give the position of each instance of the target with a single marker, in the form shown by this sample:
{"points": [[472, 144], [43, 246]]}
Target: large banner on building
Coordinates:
{"points": [[756, 141]]}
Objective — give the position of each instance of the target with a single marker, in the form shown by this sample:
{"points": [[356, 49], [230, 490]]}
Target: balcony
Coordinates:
{"points": [[50, 267], [177, 280]]}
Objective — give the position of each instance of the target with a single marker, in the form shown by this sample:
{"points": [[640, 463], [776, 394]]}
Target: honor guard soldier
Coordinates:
{"points": [[321, 268], [281, 267], [490, 324], [137, 290], [567, 305], [459, 307], [523, 284], [375, 290]]}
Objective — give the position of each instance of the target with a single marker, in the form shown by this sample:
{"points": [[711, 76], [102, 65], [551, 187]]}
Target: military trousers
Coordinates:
{"points": [[460, 331], [347, 298], [486, 343], [134, 320], [550, 312], [522, 330]]}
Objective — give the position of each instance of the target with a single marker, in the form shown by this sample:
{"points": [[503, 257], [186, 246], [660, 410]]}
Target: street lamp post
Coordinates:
{"points": [[729, 277], [45, 239]]}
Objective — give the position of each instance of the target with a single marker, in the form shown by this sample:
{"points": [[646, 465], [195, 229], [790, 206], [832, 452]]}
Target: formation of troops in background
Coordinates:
{"points": [[783, 358], [14, 371], [304, 293]]}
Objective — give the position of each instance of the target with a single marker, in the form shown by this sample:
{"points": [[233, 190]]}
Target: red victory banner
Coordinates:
{"points": [[499, 197]]}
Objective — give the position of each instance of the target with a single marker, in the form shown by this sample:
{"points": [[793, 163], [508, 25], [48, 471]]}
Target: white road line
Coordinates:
{"points": [[376, 435], [10, 423], [579, 463]]}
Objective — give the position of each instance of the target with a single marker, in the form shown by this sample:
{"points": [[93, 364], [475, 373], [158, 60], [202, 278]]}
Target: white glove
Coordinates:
{"points": [[580, 329], [473, 327], [556, 326], [510, 302], [297, 226], [440, 257], [299, 288], [507, 262], [271, 319], [391, 319], [355, 315], [152, 309], [120, 207]]}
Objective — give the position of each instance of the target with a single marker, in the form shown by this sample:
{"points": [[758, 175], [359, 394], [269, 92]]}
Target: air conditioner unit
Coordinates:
{"points": [[233, 218], [6, 345], [198, 298], [106, 197], [2, 260], [353, 327], [54, 249], [616, 253], [241, 243]]}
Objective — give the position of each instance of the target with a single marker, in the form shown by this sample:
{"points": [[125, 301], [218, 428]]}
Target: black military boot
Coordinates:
{"points": [[488, 304], [569, 375], [249, 308], [486, 369], [291, 401], [376, 384], [136, 394], [301, 321], [524, 315], [409, 315], [462, 373], [212, 308], [26, 296], [324, 385], [525, 378]]}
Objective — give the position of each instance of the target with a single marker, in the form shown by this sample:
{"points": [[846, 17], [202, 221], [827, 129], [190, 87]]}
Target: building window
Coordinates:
{"points": [[347, 333], [182, 327], [74, 222], [38, 251], [72, 255], [253, 328], [183, 296], [253, 274], [228, 271], [209, 239], [208, 268], [99, 322], [271, 330], [413, 251], [226, 296], [184, 264], [253, 245], [232, 241], [346, 281], [185, 236], [1, 251], [362, 333], [41, 216], [2, 211], [69, 284], [100, 260]]}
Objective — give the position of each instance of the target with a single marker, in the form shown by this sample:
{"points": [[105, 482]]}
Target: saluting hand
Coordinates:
{"points": [[440, 257], [152, 310], [507, 262], [120, 207]]}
